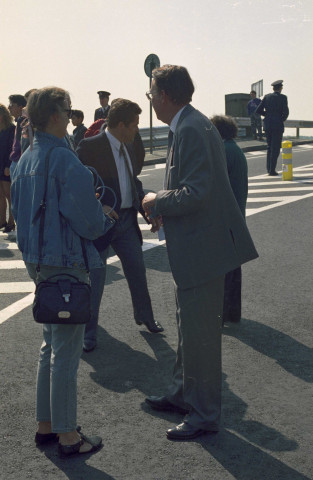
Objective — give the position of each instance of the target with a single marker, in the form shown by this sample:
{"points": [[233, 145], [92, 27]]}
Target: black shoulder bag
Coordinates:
{"points": [[62, 298]]}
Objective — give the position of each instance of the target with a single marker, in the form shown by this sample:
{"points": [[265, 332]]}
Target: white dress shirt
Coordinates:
{"points": [[123, 175]]}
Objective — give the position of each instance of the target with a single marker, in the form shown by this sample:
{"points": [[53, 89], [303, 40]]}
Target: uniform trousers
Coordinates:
{"points": [[274, 139], [196, 382]]}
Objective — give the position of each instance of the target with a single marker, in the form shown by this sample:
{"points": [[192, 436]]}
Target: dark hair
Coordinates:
{"points": [[18, 99], [253, 91], [7, 117], [226, 126], [43, 103], [27, 94], [78, 114], [176, 83], [122, 110]]}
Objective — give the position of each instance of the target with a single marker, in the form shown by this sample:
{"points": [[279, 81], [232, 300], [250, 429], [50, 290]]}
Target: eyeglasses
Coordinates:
{"points": [[149, 95], [68, 111]]}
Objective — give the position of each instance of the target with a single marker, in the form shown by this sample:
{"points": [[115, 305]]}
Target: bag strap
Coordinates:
{"points": [[42, 213]]}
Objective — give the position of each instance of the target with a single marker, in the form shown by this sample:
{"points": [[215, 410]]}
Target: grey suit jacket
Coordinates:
{"points": [[205, 232]]}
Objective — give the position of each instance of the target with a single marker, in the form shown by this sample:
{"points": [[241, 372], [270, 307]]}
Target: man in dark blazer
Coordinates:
{"points": [[103, 111], [274, 108], [206, 237], [116, 166]]}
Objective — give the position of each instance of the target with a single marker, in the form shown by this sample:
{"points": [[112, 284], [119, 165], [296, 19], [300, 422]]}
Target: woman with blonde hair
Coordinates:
{"points": [[7, 130]]}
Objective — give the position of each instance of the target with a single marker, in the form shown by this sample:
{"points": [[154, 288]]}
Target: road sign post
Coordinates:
{"points": [[152, 61]]}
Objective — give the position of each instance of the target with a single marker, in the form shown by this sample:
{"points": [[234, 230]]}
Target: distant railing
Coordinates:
{"points": [[297, 124], [160, 134]]}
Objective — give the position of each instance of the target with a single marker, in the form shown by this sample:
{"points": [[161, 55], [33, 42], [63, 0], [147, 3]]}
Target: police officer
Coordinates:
{"points": [[274, 107], [103, 111]]}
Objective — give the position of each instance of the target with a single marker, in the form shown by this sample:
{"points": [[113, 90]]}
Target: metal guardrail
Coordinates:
{"points": [[160, 134], [297, 124]]}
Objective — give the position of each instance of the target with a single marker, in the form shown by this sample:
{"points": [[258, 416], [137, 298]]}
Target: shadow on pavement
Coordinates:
{"points": [[290, 354], [75, 468], [244, 460], [119, 368]]}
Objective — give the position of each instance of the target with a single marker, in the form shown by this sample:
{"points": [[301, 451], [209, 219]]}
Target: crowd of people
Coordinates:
{"points": [[201, 209]]}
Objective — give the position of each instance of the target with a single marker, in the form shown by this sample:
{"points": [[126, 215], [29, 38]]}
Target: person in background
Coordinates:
{"points": [[80, 130], [237, 168], [24, 131], [103, 111], [274, 109], [73, 213], [7, 130], [256, 121]]}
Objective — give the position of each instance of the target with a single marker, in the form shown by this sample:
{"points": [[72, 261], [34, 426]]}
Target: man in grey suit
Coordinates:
{"points": [[206, 237]]}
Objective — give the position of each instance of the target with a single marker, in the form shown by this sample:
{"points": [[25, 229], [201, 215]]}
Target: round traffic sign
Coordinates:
{"points": [[152, 61]]}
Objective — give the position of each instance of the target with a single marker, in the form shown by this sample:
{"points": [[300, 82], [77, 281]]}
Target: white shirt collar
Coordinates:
{"points": [[113, 140], [174, 121]]}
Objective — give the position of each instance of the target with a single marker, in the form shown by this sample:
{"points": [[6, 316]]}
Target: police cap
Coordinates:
{"points": [[277, 83], [102, 94]]}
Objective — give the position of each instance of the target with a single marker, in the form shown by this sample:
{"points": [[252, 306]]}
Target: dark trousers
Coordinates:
{"points": [[232, 296], [127, 246], [196, 382], [274, 138]]}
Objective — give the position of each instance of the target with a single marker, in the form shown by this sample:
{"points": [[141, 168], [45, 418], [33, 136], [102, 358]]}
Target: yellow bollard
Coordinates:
{"points": [[287, 160]]}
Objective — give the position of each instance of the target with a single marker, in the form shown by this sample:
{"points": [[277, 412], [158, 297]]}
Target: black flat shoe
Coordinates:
{"points": [[163, 405], [152, 325], [67, 450], [184, 431], [43, 438]]}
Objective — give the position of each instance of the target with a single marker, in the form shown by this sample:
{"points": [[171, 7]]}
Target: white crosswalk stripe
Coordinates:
{"points": [[265, 185]]}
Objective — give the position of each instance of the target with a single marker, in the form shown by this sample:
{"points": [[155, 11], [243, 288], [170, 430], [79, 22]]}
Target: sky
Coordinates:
{"points": [[226, 45]]}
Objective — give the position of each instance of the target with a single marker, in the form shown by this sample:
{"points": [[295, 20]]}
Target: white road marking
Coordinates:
{"points": [[17, 287], [282, 189], [16, 307], [8, 246], [271, 199], [257, 152], [253, 211], [11, 264]]}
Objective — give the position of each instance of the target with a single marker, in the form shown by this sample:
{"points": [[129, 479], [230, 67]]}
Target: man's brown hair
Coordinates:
{"points": [[122, 110], [176, 83]]}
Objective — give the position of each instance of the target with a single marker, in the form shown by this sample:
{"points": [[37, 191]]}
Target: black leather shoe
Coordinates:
{"points": [[162, 404], [152, 325], [184, 431], [273, 174]]}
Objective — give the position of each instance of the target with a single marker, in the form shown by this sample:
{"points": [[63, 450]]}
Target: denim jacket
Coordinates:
{"points": [[72, 208]]}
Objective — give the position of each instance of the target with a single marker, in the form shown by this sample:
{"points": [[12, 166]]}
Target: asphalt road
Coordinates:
{"points": [[267, 360]]}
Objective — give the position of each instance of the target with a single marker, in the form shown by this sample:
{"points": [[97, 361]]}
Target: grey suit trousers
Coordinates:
{"points": [[196, 383]]}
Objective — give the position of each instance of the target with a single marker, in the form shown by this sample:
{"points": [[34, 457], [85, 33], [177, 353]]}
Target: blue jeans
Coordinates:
{"points": [[58, 363], [127, 246]]}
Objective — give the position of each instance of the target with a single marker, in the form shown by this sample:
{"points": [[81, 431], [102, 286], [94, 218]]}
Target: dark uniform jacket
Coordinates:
{"points": [[101, 112], [274, 107]]}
